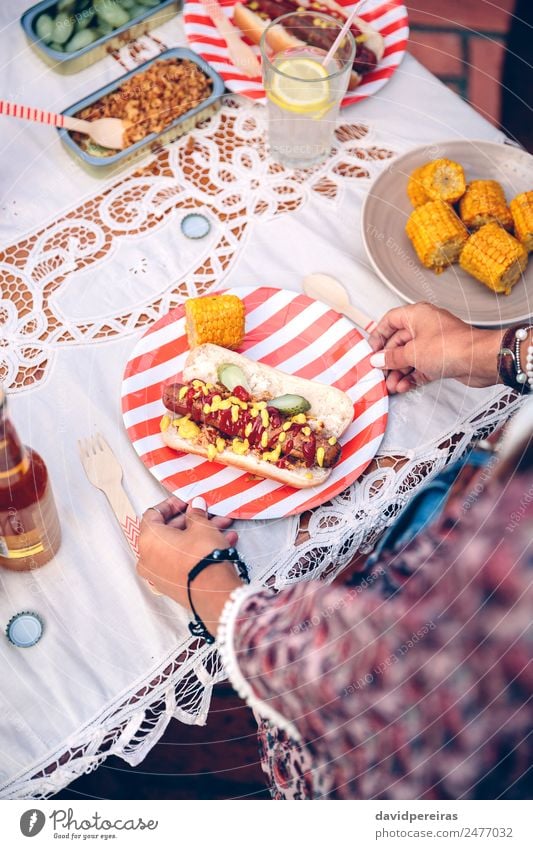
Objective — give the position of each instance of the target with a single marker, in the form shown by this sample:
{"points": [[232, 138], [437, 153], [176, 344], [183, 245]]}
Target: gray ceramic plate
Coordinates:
{"points": [[387, 208]]}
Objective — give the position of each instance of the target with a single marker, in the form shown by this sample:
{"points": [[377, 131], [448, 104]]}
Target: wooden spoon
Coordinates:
{"points": [[323, 287], [107, 132]]}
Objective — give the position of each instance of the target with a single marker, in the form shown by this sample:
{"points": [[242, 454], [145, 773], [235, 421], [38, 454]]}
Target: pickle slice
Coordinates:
{"points": [[290, 405], [231, 376]]}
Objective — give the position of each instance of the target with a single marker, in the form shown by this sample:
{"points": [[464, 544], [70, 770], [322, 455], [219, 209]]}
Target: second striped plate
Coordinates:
{"points": [[286, 330], [388, 16]]}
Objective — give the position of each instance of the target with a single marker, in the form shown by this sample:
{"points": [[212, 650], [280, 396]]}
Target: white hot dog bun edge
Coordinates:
{"points": [[329, 404], [279, 39]]}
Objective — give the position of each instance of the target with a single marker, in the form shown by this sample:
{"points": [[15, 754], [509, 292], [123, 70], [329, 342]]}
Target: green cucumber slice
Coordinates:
{"points": [[290, 405], [82, 39], [44, 27], [63, 28], [231, 376]]}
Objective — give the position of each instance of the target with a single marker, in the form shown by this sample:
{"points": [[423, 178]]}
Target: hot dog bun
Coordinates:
{"points": [[280, 39], [374, 41], [331, 406]]}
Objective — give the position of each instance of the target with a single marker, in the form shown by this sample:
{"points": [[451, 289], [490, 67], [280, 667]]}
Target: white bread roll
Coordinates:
{"points": [[279, 39]]}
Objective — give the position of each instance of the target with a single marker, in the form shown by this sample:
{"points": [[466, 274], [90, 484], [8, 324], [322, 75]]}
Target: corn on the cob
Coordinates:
{"points": [[415, 190], [443, 179], [483, 202], [522, 212], [494, 257], [437, 234], [215, 318]]}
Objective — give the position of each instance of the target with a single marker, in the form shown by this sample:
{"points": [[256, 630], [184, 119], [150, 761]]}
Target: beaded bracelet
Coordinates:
{"points": [[529, 366], [509, 364], [197, 627]]}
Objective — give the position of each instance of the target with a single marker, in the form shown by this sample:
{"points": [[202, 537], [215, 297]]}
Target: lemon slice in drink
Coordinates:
{"points": [[304, 89]]}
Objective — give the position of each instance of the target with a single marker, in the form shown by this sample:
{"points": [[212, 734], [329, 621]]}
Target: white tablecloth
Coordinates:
{"points": [[87, 264]]}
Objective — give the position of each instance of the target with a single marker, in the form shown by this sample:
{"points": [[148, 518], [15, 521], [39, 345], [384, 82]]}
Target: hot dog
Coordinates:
{"points": [[239, 427], [253, 16]]}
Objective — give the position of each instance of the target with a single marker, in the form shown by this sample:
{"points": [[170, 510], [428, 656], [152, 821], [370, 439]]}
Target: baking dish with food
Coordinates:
{"points": [[101, 162], [69, 35]]}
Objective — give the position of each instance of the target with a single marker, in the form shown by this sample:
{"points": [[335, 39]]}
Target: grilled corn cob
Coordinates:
{"points": [[415, 190], [216, 318], [522, 212], [494, 257], [483, 202], [437, 234], [443, 179]]}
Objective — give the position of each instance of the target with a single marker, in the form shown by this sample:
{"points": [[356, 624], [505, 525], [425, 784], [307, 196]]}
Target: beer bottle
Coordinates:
{"points": [[29, 525]]}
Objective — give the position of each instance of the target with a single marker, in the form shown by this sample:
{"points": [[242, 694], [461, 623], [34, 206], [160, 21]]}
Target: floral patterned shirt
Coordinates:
{"points": [[414, 684]]}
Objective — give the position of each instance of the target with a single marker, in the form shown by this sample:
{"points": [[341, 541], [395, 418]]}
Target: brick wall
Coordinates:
{"points": [[463, 43]]}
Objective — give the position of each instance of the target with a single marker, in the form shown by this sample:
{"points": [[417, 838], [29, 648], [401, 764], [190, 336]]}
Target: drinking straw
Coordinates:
{"points": [[344, 30]]}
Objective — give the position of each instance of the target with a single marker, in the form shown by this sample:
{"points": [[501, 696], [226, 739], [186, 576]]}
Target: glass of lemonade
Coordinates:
{"points": [[303, 95]]}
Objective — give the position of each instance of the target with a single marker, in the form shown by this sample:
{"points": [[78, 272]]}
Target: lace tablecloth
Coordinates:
{"points": [[85, 266]]}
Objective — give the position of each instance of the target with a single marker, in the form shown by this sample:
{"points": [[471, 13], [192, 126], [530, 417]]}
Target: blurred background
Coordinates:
{"points": [[482, 50]]}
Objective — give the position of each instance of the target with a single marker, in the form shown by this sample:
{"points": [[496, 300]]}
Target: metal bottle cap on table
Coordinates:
{"points": [[195, 226], [24, 629]]}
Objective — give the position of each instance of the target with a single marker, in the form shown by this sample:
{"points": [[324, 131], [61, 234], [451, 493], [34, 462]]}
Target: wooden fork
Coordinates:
{"points": [[105, 473], [242, 56]]}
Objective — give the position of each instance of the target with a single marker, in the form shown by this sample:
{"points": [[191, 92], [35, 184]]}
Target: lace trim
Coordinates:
{"points": [[352, 522], [223, 170], [225, 640], [181, 688]]}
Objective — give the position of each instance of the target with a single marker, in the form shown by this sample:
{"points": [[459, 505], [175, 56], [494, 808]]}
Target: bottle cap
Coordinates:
{"points": [[195, 226], [24, 629]]}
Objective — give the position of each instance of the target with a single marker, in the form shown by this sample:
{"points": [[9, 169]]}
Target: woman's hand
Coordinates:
{"points": [[175, 537], [420, 343]]}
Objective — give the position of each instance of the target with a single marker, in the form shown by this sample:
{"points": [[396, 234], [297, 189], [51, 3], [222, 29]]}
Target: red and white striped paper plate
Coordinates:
{"points": [[389, 17], [286, 330]]}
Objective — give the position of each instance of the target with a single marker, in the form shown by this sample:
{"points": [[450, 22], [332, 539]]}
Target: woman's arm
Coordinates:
{"points": [[297, 656], [420, 343], [292, 654]]}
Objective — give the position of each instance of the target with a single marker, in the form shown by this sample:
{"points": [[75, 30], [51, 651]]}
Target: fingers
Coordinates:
{"points": [[405, 385], [399, 338], [221, 522], [179, 522], [394, 358], [392, 321], [163, 512], [396, 378], [232, 538], [197, 511]]}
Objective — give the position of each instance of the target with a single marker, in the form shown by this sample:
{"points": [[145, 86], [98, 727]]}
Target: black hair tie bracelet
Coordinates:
{"points": [[219, 555]]}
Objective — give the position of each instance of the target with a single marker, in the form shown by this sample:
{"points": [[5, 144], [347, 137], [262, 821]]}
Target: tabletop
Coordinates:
{"points": [[86, 265]]}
